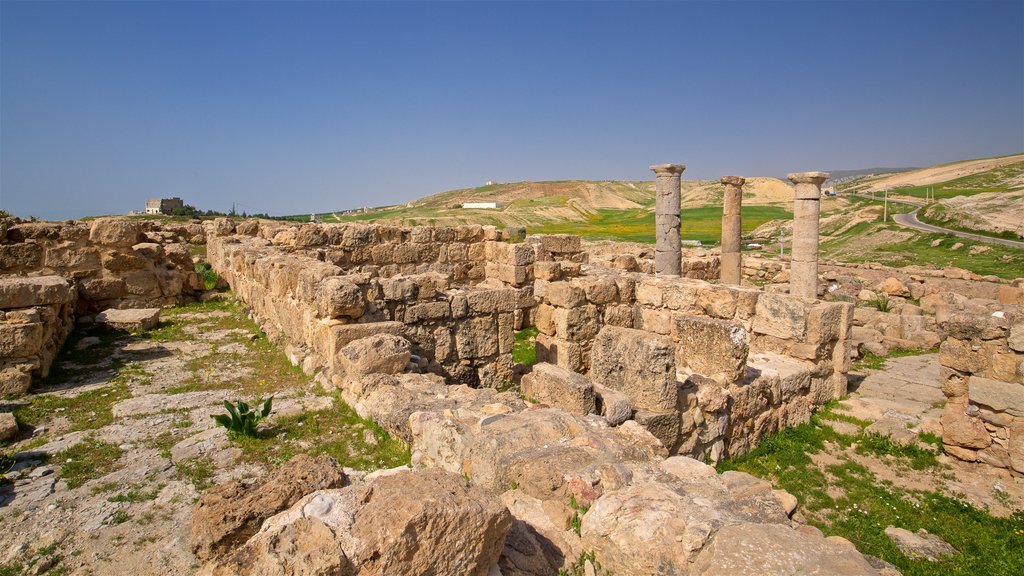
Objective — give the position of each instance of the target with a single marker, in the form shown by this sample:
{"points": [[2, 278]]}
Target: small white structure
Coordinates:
{"points": [[484, 205]]}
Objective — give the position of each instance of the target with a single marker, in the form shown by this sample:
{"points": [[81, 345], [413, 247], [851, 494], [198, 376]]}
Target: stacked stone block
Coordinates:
{"points": [[36, 316], [982, 375], [110, 262]]}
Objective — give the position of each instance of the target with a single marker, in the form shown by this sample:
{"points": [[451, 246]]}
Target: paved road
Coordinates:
{"points": [[910, 221]]}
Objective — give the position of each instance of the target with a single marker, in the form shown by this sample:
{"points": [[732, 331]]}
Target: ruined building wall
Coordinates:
{"points": [[747, 363], [110, 262], [300, 296], [982, 375], [36, 316], [54, 272]]}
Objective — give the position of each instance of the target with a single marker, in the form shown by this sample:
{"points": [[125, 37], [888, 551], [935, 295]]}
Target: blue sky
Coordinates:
{"points": [[291, 107]]}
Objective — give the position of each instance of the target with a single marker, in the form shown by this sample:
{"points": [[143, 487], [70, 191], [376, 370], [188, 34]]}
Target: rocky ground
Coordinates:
{"points": [[115, 449]]}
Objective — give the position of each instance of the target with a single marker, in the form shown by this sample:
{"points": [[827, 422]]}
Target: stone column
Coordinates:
{"points": [[732, 230], [803, 273], [667, 247]]}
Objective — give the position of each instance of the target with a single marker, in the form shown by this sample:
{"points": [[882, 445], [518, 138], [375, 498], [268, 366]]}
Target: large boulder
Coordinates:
{"points": [[559, 388], [377, 354], [229, 514], [637, 363], [428, 522], [305, 547], [750, 549], [114, 232], [338, 298]]}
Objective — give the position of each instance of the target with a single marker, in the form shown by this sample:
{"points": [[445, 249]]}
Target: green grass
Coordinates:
{"points": [[91, 458], [336, 431], [524, 351], [637, 225], [848, 500], [870, 361], [198, 471], [86, 411]]}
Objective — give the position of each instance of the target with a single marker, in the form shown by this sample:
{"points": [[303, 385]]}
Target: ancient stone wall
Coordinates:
{"points": [[743, 363], [36, 315], [982, 376], [461, 331], [110, 262]]}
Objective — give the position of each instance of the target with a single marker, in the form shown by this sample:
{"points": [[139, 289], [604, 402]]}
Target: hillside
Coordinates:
{"points": [[956, 178]]}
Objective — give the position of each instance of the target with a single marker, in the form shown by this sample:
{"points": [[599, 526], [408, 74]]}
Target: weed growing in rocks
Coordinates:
{"points": [[870, 361], [87, 411], [242, 419], [579, 510], [198, 471]]}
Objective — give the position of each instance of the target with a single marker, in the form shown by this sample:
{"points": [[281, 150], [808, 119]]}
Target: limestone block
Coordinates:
{"points": [[399, 289], [781, 316], [962, 356], [960, 429], [377, 354], [662, 425], [577, 324], [621, 315], [557, 243], [70, 258], [21, 340], [1016, 338], [601, 290], [613, 405], [826, 322], [710, 346], [476, 337], [339, 298], [649, 292], [342, 334], [559, 388], [997, 395], [491, 301], [20, 256], [114, 232], [14, 381], [427, 311], [966, 326], [637, 363], [1016, 444], [129, 319], [551, 271], [569, 355], [742, 550], [656, 321], [565, 295], [22, 292], [8, 426], [544, 319], [102, 289]]}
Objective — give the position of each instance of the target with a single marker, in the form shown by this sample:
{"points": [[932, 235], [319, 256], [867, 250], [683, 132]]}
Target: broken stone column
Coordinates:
{"points": [[667, 251], [732, 230], [803, 274]]}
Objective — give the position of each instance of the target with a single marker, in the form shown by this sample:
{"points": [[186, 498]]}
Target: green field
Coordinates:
{"points": [[637, 225]]}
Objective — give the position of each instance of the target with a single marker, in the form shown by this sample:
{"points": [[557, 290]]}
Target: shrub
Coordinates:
{"points": [[208, 274], [880, 303], [242, 419]]}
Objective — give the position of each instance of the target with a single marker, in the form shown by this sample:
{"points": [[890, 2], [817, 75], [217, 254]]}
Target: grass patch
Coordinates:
{"points": [[637, 225], [994, 180], [198, 471], [136, 494], [89, 459], [86, 411], [848, 500], [935, 214], [524, 350], [336, 431], [871, 361]]}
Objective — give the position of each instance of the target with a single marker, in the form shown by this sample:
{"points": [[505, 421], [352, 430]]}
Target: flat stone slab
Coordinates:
{"points": [[22, 292], [920, 544], [129, 319]]}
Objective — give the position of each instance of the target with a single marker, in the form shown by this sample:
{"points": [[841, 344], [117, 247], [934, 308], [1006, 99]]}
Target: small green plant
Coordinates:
{"points": [[576, 522], [208, 274], [880, 303], [242, 419]]}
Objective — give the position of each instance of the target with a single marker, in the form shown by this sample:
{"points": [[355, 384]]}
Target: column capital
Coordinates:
{"points": [[662, 170], [815, 178], [733, 180]]}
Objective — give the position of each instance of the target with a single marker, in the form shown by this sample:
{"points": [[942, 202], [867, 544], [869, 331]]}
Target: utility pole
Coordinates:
{"points": [[885, 209], [782, 249]]}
